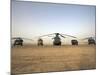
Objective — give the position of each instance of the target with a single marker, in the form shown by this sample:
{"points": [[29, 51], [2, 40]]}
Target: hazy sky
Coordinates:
{"points": [[31, 19]]}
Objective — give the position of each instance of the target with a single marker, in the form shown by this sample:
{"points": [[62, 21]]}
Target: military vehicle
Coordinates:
{"points": [[57, 39], [74, 42], [19, 41], [90, 40], [40, 42]]}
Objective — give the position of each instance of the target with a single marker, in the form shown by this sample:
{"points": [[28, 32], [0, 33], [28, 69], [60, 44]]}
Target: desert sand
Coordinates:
{"points": [[33, 59]]}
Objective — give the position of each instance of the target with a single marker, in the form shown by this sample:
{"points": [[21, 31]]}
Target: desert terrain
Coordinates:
{"points": [[34, 59]]}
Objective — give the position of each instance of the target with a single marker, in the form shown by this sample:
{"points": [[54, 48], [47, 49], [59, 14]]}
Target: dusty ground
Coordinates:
{"points": [[30, 59]]}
